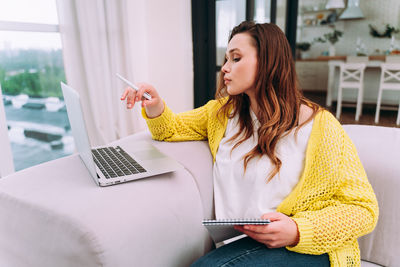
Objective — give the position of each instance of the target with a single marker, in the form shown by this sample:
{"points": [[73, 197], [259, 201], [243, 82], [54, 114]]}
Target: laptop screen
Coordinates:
{"points": [[78, 127]]}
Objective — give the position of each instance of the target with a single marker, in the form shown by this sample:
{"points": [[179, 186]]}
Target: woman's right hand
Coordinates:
{"points": [[153, 107]]}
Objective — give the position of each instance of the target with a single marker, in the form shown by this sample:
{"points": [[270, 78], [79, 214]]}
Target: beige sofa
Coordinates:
{"points": [[54, 215]]}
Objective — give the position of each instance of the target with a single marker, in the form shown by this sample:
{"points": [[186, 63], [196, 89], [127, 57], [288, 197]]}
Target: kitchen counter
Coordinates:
{"points": [[322, 74], [327, 58]]}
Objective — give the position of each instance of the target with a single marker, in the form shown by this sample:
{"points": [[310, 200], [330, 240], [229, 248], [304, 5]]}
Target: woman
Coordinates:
{"points": [[277, 156]]}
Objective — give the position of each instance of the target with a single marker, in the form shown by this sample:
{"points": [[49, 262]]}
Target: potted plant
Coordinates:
{"points": [[301, 49], [388, 32], [332, 38]]}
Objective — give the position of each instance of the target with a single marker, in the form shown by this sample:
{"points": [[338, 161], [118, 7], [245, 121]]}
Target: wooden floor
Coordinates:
{"points": [[387, 116]]}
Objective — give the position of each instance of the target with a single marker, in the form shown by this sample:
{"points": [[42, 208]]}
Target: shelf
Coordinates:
{"points": [[342, 57], [315, 11], [332, 25]]}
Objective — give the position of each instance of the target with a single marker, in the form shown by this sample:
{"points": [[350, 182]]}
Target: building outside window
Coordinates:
{"points": [[31, 69]]}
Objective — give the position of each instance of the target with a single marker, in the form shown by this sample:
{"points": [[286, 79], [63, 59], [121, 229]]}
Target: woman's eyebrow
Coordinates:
{"points": [[232, 50]]}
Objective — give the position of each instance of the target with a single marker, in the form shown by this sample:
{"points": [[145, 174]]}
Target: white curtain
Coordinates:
{"points": [[98, 41], [6, 158]]}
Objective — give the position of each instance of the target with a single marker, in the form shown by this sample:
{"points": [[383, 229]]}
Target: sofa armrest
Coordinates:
{"points": [[55, 215], [195, 156]]}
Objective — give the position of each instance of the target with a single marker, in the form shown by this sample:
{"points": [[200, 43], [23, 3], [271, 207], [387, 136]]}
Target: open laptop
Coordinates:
{"points": [[113, 165]]}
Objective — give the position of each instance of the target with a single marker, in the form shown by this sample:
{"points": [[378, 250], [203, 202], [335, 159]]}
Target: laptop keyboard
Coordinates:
{"points": [[115, 162]]}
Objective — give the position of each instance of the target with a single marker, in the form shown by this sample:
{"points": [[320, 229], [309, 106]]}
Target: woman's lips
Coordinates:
{"points": [[226, 81]]}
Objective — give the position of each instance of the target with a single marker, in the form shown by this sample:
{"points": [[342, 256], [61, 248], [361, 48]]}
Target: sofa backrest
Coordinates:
{"points": [[379, 151]]}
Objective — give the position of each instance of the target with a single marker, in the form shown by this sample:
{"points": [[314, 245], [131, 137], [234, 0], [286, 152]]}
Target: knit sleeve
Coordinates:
{"points": [[349, 207], [185, 126]]}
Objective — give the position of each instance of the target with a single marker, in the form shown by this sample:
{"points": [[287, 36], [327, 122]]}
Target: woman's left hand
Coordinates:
{"points": [[281, 232]]}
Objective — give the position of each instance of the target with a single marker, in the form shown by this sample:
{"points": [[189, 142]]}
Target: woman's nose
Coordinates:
{"points": [[225, 68]]}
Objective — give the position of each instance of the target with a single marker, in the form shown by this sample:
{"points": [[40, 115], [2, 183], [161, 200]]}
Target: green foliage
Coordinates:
{"points": [[37, 73], [389, 30], [332, 37], [27, 83], [304, 46]]}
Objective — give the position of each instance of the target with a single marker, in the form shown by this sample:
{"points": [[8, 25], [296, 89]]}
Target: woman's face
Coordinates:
{"points": [[241, 66]]}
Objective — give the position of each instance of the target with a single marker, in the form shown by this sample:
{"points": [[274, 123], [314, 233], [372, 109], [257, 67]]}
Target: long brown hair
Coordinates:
{"points": [[277, 94]]}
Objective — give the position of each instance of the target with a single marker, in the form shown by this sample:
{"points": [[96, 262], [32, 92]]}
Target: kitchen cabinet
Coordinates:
{"points": [[312, 75]]}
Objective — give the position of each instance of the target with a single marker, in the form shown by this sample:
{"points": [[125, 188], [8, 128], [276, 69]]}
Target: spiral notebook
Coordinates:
{"points": [[221, 230]]}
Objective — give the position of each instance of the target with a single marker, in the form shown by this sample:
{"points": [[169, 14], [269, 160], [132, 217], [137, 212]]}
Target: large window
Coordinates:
{"points": [[31, 69]]}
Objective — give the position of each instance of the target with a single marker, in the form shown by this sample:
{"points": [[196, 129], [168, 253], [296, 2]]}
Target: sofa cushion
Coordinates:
{"points": [[379, 151], [369, 264]]}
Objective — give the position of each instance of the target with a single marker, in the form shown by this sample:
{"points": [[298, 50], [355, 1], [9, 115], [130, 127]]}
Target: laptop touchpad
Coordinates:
{"points": [[149, 154]]}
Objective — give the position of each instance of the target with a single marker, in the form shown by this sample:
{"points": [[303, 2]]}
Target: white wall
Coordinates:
{"points": [[377, 13], [167, 37], [281, 15]]}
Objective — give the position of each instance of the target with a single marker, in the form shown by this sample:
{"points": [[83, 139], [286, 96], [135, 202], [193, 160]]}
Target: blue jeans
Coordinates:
{"points": [[248, 252]]}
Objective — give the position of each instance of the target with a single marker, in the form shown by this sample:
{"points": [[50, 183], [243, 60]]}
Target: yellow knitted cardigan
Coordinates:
{"points": [[333, 203]]}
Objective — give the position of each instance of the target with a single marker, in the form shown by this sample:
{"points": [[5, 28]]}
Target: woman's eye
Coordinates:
{"points": [[234, 59]]}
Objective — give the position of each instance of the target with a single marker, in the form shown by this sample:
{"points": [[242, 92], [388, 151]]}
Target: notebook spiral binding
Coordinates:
{"points": [[236, 221]]}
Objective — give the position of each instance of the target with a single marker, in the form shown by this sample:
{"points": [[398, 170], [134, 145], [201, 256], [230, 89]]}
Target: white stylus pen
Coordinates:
{"points": [[145, 95]]}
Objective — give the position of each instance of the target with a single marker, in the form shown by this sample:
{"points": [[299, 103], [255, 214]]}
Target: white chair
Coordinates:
{"points": [[390, 80], [351, 77]]}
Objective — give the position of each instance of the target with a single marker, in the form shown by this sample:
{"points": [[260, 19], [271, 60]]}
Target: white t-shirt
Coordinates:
{"points": [[249, 195]]}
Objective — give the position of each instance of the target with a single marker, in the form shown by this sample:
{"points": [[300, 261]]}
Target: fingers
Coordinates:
{"points": [[130, 102], [254, 234], [144, 88], [273, 216], [146, 102], [256, 229], [264, 238], [153, 105], [126, 92], [271, 240], [261, 229], [281, 232], [130, 96], [268, 228]]}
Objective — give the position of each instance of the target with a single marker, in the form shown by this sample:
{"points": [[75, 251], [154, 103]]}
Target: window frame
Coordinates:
{"points": [[204, 46], [28, 26], [6, 157]]}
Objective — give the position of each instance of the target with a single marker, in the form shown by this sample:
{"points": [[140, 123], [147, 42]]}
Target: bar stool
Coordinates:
{"points": [[351, 77], [390, 80]]}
